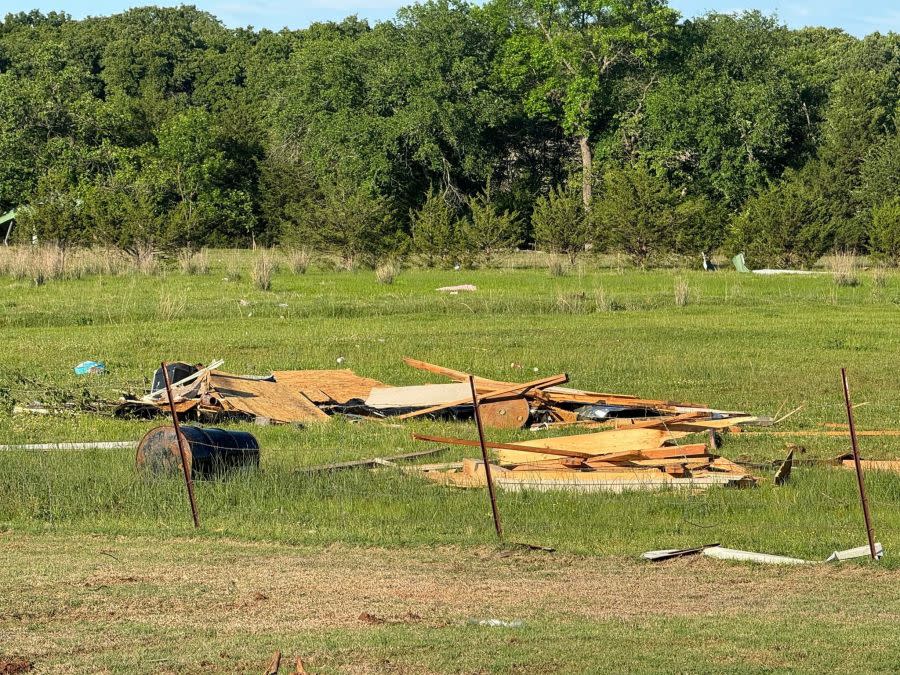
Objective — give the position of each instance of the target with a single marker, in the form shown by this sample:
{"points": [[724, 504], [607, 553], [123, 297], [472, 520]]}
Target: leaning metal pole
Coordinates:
{"points": [[484, 456], [188, 481], [870, 531]]}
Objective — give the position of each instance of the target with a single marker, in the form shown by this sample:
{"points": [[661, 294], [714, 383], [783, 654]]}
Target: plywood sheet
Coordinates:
{"points": [[328, 386], [418, 396], [277, 401]]}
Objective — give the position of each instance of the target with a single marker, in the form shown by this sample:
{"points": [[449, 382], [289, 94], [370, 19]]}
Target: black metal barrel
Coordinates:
{"points": [[210, 451]]}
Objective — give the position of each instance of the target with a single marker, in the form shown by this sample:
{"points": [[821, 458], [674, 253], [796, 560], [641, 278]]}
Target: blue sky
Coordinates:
{"points": [[860, 17]]}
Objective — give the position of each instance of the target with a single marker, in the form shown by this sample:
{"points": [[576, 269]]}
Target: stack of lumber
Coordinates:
{"points": [[615, 461], [513, 404]]}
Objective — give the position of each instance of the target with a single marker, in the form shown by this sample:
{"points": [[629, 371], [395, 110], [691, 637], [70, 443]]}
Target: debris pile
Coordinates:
{"points": [[285, 396], [297, 396], [643, 458], [541, 401]]}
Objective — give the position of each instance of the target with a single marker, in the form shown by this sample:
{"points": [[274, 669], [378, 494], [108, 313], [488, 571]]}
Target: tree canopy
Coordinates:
{"points": [[454, 129]]}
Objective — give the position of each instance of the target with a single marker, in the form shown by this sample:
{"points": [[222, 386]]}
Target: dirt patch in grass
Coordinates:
{"points": [[261, 587], [65, 600]]}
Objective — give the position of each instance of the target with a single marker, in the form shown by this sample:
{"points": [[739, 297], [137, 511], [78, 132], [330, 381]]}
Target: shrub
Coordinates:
{"points": [[435, 229], [559, 223], [347, 218], [786, 225], [642, 214], [489, 230], [884, 229]]}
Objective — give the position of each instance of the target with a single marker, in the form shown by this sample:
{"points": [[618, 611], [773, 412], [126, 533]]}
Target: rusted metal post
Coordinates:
{"points": [[870, 531], [484, 456], [188, 481]]}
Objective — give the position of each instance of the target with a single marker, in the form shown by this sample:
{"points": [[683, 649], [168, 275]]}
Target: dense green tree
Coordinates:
{"points": [[640, 213], [559, 222], [564, 57], [435, 229], [489, 229], [786, 225], [159, 127]]}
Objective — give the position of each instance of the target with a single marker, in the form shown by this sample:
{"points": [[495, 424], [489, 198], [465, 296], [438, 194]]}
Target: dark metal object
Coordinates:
{"points": [[668, 554], [176, 371], [188, 481], [484, 456], [211, 452], [870, 530]]}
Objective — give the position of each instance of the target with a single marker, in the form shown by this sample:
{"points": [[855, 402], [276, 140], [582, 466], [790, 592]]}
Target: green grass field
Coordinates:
{"points": [[740, 342]]}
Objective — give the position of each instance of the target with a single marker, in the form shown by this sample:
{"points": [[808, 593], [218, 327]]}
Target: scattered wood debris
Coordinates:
{"points": [[285, 396], [207, 394], [610, 461]]}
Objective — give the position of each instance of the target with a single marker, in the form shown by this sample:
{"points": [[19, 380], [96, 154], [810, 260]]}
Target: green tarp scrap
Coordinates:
{"points": [[739, 264]]}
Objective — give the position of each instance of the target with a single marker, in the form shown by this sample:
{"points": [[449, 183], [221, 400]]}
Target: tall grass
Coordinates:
{"points": [[264, 268], [192, 262], [682, 292], [49, 262], [557, 266], [844, 268], [386, 272], [170, 306], [298, 260]]}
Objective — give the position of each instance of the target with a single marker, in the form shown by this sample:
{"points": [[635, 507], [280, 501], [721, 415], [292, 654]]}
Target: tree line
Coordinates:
{"points": [[454, 131]]}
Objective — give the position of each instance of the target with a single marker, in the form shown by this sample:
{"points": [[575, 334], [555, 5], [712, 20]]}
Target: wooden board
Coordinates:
{"points": [[614, 440], [328, 386], [418, 396], [260, 398], [873, 465]]}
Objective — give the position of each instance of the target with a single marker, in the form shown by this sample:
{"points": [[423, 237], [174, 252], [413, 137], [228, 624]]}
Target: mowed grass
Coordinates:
{"points": [[741, 342]]}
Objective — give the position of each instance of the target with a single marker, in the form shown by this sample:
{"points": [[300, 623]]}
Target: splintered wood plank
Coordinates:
{"points": [[328, 386], [603, 442], [261, 398], [457, 375], [544, 452]]}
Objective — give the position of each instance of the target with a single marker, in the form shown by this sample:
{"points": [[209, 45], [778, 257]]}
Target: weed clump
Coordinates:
{"points": [[193, 263], [387, 272], [844, 267], [298, 260], [682, 292], [264, 268], [557, 267]]}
